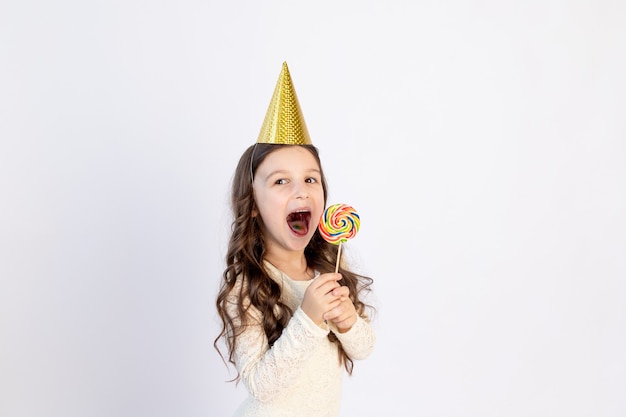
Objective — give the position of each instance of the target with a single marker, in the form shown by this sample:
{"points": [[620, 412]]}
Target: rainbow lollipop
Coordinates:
{"points": [[339, 223]]}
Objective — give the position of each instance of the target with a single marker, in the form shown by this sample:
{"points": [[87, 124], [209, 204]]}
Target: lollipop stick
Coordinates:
{"points": [[338, 257]]}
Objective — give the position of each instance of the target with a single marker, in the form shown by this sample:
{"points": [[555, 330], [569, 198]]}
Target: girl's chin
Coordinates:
{"points": [[301, 240]]}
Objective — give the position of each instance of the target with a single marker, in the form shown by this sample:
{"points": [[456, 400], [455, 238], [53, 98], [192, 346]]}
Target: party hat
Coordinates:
{"points": [[284, 122]]}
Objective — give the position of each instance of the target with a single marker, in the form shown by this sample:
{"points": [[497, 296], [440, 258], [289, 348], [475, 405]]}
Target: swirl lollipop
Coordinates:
{"points": [[339, 223]]}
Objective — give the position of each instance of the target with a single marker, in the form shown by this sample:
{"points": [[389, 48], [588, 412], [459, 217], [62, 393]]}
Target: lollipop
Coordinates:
{"points": [[339, 223]]}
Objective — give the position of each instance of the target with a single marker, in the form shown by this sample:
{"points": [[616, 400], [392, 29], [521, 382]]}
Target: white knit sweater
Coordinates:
{"points": [[300, 375]]}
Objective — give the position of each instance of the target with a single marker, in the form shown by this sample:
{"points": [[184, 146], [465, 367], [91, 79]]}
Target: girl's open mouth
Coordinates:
{"points": [[299, 222]]}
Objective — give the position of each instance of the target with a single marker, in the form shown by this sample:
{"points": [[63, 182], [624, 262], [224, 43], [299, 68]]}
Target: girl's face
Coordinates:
{"points": [[289, 198]]}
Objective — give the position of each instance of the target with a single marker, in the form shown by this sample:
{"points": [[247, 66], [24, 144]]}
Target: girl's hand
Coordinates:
{"points": [[319, 298], [344, 314]]}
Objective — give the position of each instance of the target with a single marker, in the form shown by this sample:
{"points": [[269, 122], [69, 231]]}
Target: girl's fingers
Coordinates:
{"points": [[342, 313], [336, 311], [326, 278], [329, 288], [341, 291], [333, 303]]}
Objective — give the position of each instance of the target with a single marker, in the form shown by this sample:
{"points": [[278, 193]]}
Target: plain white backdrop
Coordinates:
{"points": [[482, 142]]}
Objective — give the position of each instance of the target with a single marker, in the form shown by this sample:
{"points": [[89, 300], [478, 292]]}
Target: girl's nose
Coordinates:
{"points": [[302, 192]]}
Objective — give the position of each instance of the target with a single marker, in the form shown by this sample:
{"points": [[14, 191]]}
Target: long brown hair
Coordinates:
{"points": [[244, 258]]}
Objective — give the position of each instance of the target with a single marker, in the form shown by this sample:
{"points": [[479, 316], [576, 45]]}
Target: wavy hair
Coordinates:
{"points": [[244, 258]]}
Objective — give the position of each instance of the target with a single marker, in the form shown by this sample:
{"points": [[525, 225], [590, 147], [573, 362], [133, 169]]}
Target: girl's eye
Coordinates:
{"points": [[281, 181], [311, 180]]}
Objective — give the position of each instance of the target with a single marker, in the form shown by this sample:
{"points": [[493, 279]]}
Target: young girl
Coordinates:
{"points": [[291, 325]]}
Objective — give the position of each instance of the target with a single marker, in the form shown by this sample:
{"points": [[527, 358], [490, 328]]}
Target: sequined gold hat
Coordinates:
{"points": [[284, 122]]}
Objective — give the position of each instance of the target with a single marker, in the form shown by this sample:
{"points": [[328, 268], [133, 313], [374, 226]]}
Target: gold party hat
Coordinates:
{"points": [[284, 122]]}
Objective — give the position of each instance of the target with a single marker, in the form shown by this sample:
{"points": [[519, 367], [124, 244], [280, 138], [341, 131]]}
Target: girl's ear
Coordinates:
{"points": [[254, 211]]}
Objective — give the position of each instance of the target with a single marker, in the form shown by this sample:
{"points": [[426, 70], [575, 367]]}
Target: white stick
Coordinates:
{"points": [[338, 257]]}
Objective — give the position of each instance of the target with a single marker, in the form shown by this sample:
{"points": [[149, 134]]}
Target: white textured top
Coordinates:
{"points": [[300, 375]]}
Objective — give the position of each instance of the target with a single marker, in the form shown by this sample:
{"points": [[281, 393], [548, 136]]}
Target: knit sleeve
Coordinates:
{"points": [[267, 371], [359, 341]]}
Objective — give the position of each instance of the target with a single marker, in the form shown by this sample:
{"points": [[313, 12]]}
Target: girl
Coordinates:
{"points": [[289, 322]]}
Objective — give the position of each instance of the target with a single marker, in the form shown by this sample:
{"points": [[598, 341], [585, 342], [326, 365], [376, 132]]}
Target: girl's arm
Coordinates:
{"points": [[265, 371], [359, 341], [353, 331]]}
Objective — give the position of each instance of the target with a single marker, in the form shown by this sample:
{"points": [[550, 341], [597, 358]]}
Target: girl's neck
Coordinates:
{"points": [[296, 268]]}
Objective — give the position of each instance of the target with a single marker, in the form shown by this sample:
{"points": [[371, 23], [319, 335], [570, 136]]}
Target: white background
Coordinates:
{"points": [[483, 144]]}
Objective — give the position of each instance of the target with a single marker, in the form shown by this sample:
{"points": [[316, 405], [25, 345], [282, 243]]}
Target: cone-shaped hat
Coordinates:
{"points": [[284, 122]]}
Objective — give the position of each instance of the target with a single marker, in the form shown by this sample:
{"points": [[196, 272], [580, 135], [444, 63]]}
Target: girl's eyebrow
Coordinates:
{"points": [[285, 171], [276, 172]]}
